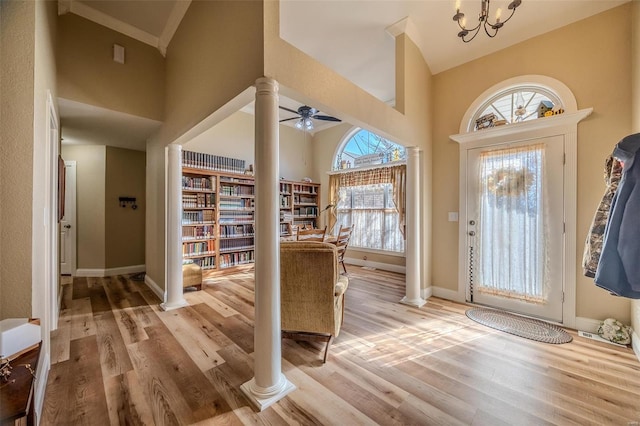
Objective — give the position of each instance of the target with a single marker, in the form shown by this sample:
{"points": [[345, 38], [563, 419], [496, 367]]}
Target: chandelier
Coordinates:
{"points": [[483, 20]]}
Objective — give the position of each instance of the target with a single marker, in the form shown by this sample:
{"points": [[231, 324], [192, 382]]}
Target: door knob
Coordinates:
{"points": [[67, 226]]}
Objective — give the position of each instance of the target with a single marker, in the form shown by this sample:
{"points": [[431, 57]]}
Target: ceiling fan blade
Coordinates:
{"points": [[325, 118], [287, 109], [289, 119]]}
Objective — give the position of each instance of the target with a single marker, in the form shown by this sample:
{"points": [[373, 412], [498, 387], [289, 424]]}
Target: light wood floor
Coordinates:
{"points": [[118, 359]]}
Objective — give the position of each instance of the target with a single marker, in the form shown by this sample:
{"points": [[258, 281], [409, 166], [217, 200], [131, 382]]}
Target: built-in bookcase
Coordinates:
{"points": [[218, 211]]}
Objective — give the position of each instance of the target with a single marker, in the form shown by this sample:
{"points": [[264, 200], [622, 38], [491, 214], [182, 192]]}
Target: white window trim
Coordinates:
{"points": [[565, 125]]}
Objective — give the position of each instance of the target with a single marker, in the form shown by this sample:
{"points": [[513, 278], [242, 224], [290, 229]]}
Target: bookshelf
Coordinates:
{"points": [[218, 211]]}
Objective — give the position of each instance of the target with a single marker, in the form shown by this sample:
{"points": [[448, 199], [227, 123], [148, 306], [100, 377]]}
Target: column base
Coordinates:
{"points": [[262, 402], [175, 305], [417, 303]]}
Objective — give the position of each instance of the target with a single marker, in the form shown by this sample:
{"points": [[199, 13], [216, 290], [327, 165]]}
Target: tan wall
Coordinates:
{"points": [[124, 227], [635, 121], [592, 58], [215, 54], [17, 46], [234, 137], [88, 74], [90, 203]]}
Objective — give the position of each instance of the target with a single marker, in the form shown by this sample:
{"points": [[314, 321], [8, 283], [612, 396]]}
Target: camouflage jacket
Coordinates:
{"points": [[593, 245]]}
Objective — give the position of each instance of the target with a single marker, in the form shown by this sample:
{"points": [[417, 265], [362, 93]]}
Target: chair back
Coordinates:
{"points": [[342, 240], [308, 276], [311, 234]]}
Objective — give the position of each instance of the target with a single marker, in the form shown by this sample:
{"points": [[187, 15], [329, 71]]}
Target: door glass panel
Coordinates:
{"points": [[512, 235]]}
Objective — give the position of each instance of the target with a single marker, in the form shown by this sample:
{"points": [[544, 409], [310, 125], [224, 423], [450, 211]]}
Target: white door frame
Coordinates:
{"points": [[565, 125], [52, 277], [70, 212]]}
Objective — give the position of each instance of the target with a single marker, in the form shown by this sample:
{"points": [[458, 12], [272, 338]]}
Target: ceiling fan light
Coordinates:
{"points": [[299, 124], [308, 123]]}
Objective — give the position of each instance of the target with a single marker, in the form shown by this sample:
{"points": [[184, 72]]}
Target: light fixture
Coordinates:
{"points": [[304, 123], [483, 20]]}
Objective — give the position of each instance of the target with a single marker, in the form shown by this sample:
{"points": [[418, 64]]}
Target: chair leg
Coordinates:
{"points": [[343, 267], [326, 350]]}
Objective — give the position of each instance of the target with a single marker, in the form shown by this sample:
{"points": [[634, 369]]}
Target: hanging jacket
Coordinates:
{"points": [[619, 266], [595, 237]]}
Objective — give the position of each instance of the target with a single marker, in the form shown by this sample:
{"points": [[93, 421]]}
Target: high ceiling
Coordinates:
{"points": [[350, 36]]}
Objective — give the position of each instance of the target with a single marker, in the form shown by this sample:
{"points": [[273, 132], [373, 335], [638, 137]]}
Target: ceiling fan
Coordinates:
{"points": [[305, 114]]}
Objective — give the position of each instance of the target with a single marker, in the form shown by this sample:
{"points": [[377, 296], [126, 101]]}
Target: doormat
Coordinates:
{"points": [[528, 328]]}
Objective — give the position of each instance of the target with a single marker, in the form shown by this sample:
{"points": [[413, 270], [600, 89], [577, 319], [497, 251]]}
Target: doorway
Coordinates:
{"points": [[515, 222], [68, 222]]}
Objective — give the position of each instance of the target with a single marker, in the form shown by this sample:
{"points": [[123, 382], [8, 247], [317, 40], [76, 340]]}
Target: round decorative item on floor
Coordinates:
{"points": [[528, 328]]}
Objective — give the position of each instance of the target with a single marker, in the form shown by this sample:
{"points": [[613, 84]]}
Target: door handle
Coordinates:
{"points": [[472, 233], [67, 226]]}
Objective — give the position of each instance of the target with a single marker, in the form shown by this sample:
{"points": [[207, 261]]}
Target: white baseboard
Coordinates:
{"points": [[635, 344], [154, 287], [587, 324], [378, 265], [41, 384], [426, 293], [123, 270], [445, 293]]}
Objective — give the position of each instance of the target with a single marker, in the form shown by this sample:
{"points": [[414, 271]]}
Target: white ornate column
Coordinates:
{"points": [[412, 230], [268, 384], [173, 284]]}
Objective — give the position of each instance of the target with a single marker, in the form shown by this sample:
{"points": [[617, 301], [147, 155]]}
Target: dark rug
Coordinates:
{"points": [[528, 328]]}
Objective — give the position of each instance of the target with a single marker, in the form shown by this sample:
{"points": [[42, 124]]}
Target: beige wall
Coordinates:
{"points": [[88, 74], [90, 203], [124, 227], [17, 46], [216, 53], [635, 126], [592, 58], [234, 137]]}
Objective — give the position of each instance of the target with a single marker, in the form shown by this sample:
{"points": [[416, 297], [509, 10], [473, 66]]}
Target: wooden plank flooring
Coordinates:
{"points": [[118, 359]]}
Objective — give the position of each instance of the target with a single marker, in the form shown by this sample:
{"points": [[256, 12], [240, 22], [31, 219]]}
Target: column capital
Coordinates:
{"points": [[412, 150], [266, 85], [174, 147]]}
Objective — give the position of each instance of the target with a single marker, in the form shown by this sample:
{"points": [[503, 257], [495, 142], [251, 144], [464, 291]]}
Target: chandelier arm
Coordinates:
{"points": [[477, 30], [510, 16], [486, 30]]}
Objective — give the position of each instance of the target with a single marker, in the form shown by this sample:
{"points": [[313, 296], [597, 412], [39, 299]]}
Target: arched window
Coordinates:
{"points": [[516, 105], [361, 148], [363, 190]]}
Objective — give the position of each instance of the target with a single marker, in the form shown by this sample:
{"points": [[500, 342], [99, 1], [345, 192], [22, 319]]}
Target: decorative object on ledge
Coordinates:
{"points": [[483, 20], [124, 201]]}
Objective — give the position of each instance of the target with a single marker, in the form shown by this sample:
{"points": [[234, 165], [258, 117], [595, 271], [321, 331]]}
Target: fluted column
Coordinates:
{"points": [[173, 284], [268, 384], [412, 230]]}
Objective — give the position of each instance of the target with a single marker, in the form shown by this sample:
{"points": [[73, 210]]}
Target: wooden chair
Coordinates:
{"points": [[342, 241], [293, 231], [311, 234]]}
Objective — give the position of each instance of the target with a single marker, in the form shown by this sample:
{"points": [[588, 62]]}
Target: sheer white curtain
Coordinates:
{"points": [[512, 258]]}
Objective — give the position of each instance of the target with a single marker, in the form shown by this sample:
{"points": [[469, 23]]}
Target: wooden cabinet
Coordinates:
{"points": [[218, 215]]}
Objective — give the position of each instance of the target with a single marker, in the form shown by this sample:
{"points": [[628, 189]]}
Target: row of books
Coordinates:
{"points": [[199, 248], [198, 200], [286, 217], [198, 232], [304, 199], [232, 217], [305, 189], [208, 262], [285, 201], [193, 183], [200, 160], [236, 190], [195, 217], [284, 229], [231, 231], [234, 259], [236, 244], [237, 203], [305, 212]]}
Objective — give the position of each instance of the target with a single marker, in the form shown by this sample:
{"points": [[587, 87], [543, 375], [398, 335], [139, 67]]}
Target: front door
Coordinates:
{"points": [[515, 227]]}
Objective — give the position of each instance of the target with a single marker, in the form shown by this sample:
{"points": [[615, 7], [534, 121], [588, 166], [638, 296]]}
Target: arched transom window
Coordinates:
{"points": [[365, 149], [516, 105]]}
